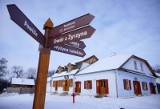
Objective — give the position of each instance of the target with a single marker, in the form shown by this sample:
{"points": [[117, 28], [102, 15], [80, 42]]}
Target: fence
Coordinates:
{"points": [[20, 90]]}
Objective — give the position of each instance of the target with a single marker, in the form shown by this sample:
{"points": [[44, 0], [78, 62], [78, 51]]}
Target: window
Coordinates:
{"points": [[127, 84], [144, 86], [88, 84], [102, 83], [60, 83], [54, 83], [141, 66], [135, 65]]}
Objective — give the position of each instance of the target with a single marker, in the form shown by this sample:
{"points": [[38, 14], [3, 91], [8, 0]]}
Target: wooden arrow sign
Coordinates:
{"points": [[77, 44], [76, 35], [69, 50], [21, 20], [71, 25]]}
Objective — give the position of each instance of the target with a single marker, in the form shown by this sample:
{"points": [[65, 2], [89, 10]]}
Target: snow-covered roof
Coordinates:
{"points": [[80, 59], [49, 79], [109, 63], [65, 73], [22, 81]]}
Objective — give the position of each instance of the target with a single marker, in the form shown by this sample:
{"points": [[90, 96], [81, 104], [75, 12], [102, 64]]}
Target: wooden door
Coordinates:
{"points": [[78, 87], [152, 88], [102, 87], [56, 85], [65, 85], [137, 87], [98, 86]]}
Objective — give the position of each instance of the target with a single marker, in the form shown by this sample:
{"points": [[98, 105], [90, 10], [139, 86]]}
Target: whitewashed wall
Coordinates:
{"points": [[125, 75], [130, 65], [97, 76], [48, 88]]}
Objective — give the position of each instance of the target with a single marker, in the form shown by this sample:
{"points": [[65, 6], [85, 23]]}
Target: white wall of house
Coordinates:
{"points": [[130, 65], [97, 76], [48, 87], [141, 78], [115, 79]]}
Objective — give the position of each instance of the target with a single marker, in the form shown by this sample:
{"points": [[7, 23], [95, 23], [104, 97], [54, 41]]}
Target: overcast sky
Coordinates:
{"points": [[122, 26]]}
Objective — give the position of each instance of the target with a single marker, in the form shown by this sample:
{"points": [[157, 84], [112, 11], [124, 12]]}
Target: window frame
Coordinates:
{"points": [[88, 84], [135, 65], [141, 64], [144, 86], [127, 84]]}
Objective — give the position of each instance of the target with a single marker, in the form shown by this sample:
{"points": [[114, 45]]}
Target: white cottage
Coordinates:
{"points": [[117, 76], [63, 79]]}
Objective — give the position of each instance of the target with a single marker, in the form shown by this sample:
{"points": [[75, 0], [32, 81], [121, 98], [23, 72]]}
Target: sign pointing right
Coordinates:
{"points": [[71, 25], [82, 33], [69, 50], [77, 44]]}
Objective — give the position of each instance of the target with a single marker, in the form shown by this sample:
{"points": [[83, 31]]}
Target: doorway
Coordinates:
{"points": [[78, 87], [152, 88], [65, 86], [102, 86], [137, 88], [56, 85]]}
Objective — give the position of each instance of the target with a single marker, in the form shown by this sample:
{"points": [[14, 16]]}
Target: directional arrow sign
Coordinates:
{"points": [[71, 25], [21, 20], [77, 44], [69, 50], [77, 35]]}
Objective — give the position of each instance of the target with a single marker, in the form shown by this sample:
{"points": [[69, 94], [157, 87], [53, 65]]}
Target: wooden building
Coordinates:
{"points": [[22, 83]]}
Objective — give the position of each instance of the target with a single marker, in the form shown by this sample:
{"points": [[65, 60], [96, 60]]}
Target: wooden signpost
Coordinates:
{"points": [[76, 35], [72, 24], [69, 50], [77, 44], [21, 20], [64, 38]]}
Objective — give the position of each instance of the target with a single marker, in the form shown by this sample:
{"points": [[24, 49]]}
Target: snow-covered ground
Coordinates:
{"points": [[25, 101]]}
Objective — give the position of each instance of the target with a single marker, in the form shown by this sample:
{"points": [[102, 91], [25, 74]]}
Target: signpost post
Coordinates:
{"points": [[44, 57], [64, 38]]}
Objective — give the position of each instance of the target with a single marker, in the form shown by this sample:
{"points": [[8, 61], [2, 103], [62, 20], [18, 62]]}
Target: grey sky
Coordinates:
{"points": [[122, 26]]}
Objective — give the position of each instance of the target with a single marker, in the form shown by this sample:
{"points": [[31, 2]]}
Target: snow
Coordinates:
{"points": [[14, 101], [109, 63], [49, 79], [158, 80], [22, 81], [65, 73], [158, 74]]}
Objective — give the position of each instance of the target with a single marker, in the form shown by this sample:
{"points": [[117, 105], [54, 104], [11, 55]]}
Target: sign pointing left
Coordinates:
{"points": [[21, 20]]}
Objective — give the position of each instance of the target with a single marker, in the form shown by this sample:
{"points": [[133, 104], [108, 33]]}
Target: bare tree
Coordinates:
{"points": [[18, 71], [157, 68], [3, 67], [31, 73]]}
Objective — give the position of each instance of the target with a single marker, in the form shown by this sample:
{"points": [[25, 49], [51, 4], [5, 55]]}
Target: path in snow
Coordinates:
{"points": [[25, 101]]}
